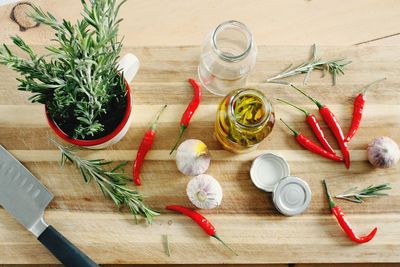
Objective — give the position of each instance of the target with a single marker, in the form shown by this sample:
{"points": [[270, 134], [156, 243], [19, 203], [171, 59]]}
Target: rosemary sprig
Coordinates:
{"points": [[166, 245], [334, 67], [354, 195], [111, 182], [78, 78]]}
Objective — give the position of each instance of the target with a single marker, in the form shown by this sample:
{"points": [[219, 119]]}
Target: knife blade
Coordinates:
{"points": [[21, 194], [26, 198]]}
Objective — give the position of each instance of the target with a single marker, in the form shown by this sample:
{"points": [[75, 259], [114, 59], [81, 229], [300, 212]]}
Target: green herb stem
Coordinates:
{"points": [[335, 67], [111, 182], [366, 87], [328, 195], [355, 195], [155, 122], [293, 105], [226, 245], [167, 246], [181, 131], [316, 102], [295, 133]]}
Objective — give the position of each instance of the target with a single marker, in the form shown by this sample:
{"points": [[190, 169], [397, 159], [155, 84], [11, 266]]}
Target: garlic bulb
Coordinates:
{"points": [[204, 191], [383, 152], [192, 157]]}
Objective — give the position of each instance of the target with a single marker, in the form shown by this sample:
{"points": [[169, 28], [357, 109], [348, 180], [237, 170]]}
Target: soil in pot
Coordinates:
{"points": [[116, 110]]}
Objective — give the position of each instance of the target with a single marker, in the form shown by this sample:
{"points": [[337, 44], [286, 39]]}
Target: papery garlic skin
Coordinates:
{"points": [[204, 191], [192, 157], [383, 152]]}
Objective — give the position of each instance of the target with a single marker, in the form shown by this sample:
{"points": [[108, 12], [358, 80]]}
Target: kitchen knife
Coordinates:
{"points": [[25, 198]]}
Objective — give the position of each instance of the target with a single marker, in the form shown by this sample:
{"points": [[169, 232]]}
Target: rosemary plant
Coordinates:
{"points": [[334, 67], [78, 79], [111, 182], [356, 195]]}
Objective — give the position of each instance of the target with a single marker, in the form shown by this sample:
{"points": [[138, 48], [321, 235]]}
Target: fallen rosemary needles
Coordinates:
{"points": [[111, 182], [166, 245], [354, 195], [334, 67]]}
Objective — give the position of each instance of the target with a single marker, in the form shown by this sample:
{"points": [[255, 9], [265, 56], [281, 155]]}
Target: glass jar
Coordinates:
{"points": [[228, 55], [244, 118]]}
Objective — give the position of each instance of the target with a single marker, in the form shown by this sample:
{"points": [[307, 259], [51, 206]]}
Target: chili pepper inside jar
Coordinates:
{"points": [[244, 118]]}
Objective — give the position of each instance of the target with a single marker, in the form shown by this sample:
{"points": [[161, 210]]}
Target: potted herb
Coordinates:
{"points": [[84, 88]]}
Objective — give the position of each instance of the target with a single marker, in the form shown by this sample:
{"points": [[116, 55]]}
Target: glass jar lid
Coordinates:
{"points": [[291, 196], [267, 170]]}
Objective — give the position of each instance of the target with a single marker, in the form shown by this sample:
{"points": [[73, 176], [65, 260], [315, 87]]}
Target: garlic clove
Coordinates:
{"points": [[383, 152], [204, 191], [192, 157]]}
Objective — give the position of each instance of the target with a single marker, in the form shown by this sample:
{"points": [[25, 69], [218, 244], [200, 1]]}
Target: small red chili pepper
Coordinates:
{"points": [[201, 221], [315, 126], [333, 124], [191, 108], [311, 146], [358, 108], [340, 217], [144, 147]]}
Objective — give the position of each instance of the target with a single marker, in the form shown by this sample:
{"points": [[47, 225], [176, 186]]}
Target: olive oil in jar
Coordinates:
{"points": [[244, 118]]}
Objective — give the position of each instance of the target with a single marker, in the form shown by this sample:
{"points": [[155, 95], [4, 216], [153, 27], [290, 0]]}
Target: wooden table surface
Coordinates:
{"points": [[165, 37]]}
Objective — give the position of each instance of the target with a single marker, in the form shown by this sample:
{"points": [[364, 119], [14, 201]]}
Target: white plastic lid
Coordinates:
{"points": [[291, 196], [266, 171]]}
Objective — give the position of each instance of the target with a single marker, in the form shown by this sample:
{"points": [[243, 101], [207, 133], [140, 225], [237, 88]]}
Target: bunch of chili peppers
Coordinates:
{"points": [[333, 123], [150, 134]]}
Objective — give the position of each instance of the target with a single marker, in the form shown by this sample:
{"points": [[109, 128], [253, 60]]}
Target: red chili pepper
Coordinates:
{"points": [[333, 124], [340, 217], [315, 126], [311, 146], [358, 108], [191, 108], [201, 221], [144, 147]]}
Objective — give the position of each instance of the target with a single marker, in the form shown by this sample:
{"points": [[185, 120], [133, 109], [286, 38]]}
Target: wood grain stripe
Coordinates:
{"points": [[33, 115], [217, 155], [281, 235]]}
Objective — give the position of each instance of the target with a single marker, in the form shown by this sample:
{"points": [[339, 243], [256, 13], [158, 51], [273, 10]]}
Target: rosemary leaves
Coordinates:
{"points": [[78, 78], [354, 195], [335, 67], [111, 182]]}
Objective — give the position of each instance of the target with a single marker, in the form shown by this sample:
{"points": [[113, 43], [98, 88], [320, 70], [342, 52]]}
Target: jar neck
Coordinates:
{"points": [[253, 92], [232, 41]]}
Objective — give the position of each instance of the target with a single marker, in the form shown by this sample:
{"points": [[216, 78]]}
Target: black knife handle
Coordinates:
{"points": [[65, 251]]}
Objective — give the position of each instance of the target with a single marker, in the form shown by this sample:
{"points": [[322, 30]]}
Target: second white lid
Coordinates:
{"points": [[291, 195]]}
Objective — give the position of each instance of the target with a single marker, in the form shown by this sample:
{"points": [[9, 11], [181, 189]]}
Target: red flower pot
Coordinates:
{"points": [[129, 65]]}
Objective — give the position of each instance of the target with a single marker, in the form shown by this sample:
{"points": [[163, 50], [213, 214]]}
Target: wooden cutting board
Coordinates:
{"points": [[247, 219]]}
